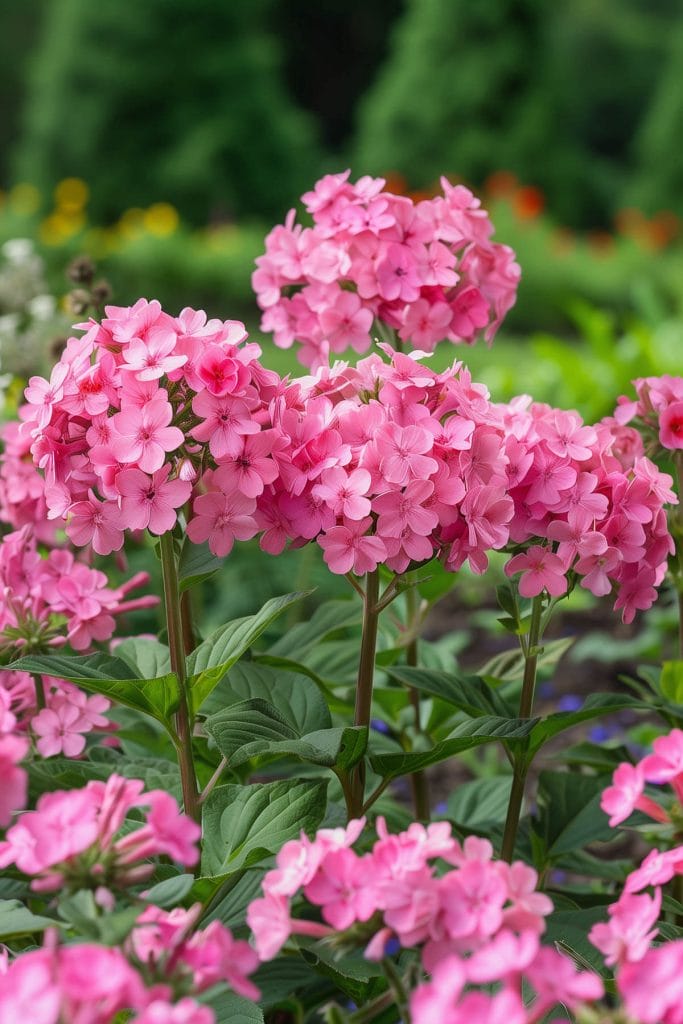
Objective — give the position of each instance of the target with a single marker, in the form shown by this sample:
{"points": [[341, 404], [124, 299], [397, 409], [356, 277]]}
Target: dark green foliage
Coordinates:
{"points": [[165, 100]]}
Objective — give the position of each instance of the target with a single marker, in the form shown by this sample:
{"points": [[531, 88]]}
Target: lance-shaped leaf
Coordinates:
{"points": [[245, 824], [596, 705], [196, 563], [327, 620], [295, 696], [17, 920], [209, 662], [254, 728], [467, 693], [464, 737], [111, 676]]}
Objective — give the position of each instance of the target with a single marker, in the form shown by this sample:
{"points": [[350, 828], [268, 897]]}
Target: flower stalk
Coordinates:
{"points": [[418, 780], [176, 643], [531, 649], [366, 672]]}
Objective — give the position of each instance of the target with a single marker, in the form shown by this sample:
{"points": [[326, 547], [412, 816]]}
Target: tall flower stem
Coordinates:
{"points": [[418, 780], [176, 643], [530, 649], [678, 540], [366, 672]]}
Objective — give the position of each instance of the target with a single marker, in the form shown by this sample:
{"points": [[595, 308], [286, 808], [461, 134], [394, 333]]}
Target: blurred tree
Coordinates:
{"points": [[553, 93], [19, 25], [332, 52], [658, 182], [166, 100]]}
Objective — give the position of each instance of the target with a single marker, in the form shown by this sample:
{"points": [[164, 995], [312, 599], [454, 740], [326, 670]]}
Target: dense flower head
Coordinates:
{"points": [[426, 270], [22, 488], [135, 412], [581, 509], [86, 983], [72, 837], [58, 599], [397, 894], [658, 407], [388, 462]]}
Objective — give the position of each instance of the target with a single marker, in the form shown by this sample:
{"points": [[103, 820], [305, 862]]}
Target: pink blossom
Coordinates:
{"points": [[628, 934], [58, 731], [348, 548], [13, 778], [143, 436], [671, 426], [221, 519], [96, 522], [541, 570], [226, 421], [151, 502]]}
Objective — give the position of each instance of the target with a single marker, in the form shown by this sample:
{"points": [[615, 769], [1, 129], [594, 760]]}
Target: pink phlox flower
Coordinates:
{"points": [[221, 519], [96, 522], [551, 476], [555, 979], [541, 570], [345, 493], [528, 906], [44, 395], [626, 794], [405, 510], [505, 956], [185, 1011], [29, 991], [13, 778], [425, 323], [598, 570], [350, 547], [666, 763], [397, 274], [658, 868], [250, 469], [154, 357], [470, 311], [220, 373], [347, 324], [343, 888], [143, 436], [435, 1000], [566, 436], [403, 453], [671, 426], [652, 988], [226, 421], [151, 502], [59, 731], [628, 934], [472, 901]]}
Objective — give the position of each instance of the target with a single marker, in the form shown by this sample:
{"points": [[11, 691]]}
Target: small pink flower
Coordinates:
{"points": [[350, 548], [143, 436], [150, 503], [96, 522], [221, 519], [671, 426], [541, 570], [59, 731]]}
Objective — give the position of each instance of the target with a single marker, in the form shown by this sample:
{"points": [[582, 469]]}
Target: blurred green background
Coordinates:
{"points": [[165, 138]]}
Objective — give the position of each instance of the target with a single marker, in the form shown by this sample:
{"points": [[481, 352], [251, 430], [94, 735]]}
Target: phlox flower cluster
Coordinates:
{"points": [[388, 462], [396, 893], [649, 979], [48, 602], [137, 410], [663, 767], [90, 984], [659, 407], [22, 488], [72, 837], [13, 778], [427, 270], [580, 509]]}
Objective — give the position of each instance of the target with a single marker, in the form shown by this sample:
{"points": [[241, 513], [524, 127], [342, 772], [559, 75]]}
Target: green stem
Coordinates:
{"points": [[40, 691], [186, 618], [366, 671], [176, 644], [398, 988], [372, 1010], [526, 703], [418, 780]]}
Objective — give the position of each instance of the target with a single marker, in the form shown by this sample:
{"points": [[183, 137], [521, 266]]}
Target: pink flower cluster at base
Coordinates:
{"points": [[91, 984], [70, 839], [427, 270], [396, 892], [138, 410]]}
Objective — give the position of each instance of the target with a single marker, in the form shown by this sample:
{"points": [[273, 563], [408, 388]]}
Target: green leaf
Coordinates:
{"points": [[481, 804], [467, 693], [17, 920], [253, 728], [572, 815], [230, 1008], [231, 908], [671, 681], [209, 662], [569, 930], [245, 824], [295, 696], [509, 665], [111, 676], [148, 658], [196, 563], [327, 620], [464, 737], [171, 891], [595, 706]]}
